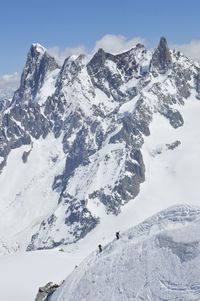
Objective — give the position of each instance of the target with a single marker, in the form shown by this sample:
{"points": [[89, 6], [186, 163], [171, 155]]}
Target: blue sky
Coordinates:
{"points": [[67, 23]]}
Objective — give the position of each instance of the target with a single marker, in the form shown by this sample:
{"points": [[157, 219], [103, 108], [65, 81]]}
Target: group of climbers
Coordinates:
{"points": [[100, 246]]}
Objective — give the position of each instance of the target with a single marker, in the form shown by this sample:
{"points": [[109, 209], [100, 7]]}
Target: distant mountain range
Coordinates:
{"points": [[94, 139]]}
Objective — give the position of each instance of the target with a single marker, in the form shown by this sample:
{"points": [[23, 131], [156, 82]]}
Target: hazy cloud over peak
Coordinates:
{"points": [[8, 84], [110, 43], [117, 43], [191, 49], [61, 54]]}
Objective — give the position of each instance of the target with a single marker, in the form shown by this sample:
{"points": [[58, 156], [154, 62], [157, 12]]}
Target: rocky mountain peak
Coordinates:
{"points": [[99, 58], [38, 64], [161, 59], [34, 56], [38, 48], [70, 69]]}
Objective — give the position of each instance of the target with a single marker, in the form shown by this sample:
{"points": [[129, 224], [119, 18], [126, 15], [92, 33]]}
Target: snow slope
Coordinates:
{"points": [[28, 198], [26, 272], [21, 274], [157, 260]]}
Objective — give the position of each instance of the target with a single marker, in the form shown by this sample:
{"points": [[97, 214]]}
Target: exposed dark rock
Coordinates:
{"points": [[79, 222], [25, 156], [37, 64], [173, 145], [161, 59], [182, 77], [2, 164], [197, 82], [174, 116], [79, 217], [129, 186], [101, 73], [69, 71]]}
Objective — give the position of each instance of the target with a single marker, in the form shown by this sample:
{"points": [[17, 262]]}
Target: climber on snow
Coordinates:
{"points": [[100, 248], [117, 235]]}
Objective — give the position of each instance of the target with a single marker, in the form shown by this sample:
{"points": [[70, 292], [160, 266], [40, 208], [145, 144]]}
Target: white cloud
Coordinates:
{"points": [[191, 49], [8, 84], [61, 54], [9, 78], [110, 43], [117, 43]]}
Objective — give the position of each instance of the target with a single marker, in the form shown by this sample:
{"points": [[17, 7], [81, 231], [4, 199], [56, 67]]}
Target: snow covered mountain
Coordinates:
{"points": [[94, 139], [155, 261]]}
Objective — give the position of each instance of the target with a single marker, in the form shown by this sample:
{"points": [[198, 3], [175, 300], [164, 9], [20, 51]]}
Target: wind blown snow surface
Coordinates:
{"points": [[155, 261]]}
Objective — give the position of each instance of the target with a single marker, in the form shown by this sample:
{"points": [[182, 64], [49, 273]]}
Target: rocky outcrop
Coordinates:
{"points": [[109, 72], [38, 63], [45, 292], [197, 82], [77, 219], [161, 59]]}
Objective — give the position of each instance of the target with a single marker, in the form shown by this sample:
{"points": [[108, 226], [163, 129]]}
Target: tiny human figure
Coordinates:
{"points": [[117, 235], [100, 248], [76, 266]]}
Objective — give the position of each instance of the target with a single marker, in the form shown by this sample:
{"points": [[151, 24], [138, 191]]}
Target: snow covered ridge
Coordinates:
{"points": [[78, 140], [156, 260]]}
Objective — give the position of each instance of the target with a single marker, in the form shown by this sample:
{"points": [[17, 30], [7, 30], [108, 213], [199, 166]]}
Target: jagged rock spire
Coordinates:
{"points": [[38, 63], [161, 59]]}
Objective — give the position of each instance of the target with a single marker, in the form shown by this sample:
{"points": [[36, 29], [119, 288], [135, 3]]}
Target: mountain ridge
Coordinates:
{"points": [[97, 114]]}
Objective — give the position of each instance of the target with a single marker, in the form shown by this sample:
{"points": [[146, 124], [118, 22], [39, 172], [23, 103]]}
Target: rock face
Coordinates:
{"points": [[91, 116], [45, 292], [161, 58], [38, 63], [157, 260]]}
